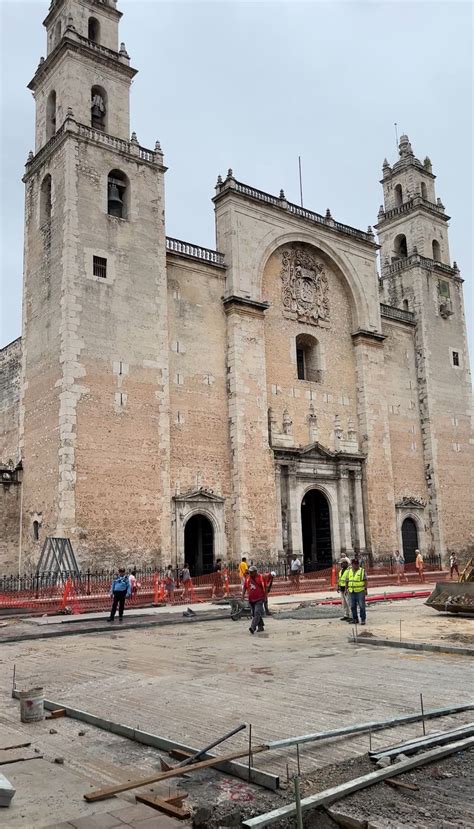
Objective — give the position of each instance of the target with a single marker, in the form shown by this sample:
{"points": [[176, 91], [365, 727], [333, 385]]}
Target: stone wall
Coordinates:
{"points": [[10, 378], [10, 508]]}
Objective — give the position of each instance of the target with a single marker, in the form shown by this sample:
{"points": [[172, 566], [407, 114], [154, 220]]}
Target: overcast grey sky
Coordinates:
{"points": [[252, 85]]}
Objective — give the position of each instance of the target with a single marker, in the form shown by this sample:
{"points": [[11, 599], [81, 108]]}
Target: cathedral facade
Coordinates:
{"points": [[277, 395]]}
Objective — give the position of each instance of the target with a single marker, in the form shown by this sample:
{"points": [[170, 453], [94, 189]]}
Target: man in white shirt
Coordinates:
{"points": [[295, 570]]}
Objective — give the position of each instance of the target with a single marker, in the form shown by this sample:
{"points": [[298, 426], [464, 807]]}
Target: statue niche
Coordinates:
{"points": [[304, 287]]}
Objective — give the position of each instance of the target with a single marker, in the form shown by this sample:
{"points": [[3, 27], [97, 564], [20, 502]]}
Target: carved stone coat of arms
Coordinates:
{"points": [[304, 287]]}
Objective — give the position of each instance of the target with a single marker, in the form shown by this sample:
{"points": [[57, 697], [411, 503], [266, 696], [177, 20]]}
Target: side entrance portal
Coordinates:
{"points": [[199, 545], [316, 531], [409, 539]]}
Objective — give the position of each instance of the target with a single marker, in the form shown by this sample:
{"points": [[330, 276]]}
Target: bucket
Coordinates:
{"points": [[32, 705]]}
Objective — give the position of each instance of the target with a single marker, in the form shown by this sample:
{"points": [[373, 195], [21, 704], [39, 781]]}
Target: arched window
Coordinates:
{"points": [[398, 195], [45, 201], [99, 108], [424, 191], [51, 115], [436, 250], [36, 530], [308, 358], [118, 194], [94, 30], [400, 246], [405, 305]]}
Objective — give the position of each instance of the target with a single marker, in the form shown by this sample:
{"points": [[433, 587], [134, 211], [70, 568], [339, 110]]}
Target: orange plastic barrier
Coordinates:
{"points": [[333, 576]]}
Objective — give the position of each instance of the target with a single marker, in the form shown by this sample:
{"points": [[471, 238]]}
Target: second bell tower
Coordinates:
{"points": [[94, 424]]}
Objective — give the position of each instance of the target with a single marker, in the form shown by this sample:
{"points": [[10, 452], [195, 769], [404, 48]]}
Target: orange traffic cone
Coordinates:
{"points": [[155, 589]]}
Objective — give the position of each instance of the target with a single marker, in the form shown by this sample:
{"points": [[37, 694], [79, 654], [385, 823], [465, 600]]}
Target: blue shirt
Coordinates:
{"points": [[120, 584]]}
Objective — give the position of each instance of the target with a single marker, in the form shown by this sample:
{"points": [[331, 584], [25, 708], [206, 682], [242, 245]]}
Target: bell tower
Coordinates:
{"points": [[94, 408], [417, 276]]}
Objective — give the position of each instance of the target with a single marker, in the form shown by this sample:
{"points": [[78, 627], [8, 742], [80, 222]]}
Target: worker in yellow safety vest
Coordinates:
{"points": [[357, 586], [342, 579]]}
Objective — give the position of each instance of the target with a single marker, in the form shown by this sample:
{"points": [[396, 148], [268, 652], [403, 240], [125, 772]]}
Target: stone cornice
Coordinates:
{"points": [[233, 187], [415, 260], [82, 132], [73, 42], [370, 337], [408, 208], [56, 5], [244, 305]]}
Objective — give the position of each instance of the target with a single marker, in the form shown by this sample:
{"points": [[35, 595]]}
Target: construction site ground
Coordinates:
{"points": [[193, 681]]}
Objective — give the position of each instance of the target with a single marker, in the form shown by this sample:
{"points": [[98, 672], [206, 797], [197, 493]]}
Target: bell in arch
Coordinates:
{"points": [[115, 201]]}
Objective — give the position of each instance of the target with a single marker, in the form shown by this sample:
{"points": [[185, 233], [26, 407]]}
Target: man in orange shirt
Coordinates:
{"points": [[256, 588]]}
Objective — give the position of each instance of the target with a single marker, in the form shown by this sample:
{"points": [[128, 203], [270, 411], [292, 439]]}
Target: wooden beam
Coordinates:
{"points": [[328, 796], [163, 805], [110, 791]]}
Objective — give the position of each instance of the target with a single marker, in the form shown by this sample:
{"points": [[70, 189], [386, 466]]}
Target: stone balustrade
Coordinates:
{"points": [[407, 206], [399, 314], [97, 136], [415, 260], [194, 251], [294, 209]]}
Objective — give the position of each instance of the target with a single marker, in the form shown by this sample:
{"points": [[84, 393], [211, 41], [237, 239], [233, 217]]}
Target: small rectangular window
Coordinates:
{"points": [[300, 363], [443, 288], [100, 267], [455, 358]]}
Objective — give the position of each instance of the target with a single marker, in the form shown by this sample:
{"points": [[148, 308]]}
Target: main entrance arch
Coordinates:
{"points": [[316, 531], [199, 545], [409, 539]]}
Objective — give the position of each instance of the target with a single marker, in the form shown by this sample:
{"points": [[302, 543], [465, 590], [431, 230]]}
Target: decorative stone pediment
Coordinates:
{"points": [[199, 495], [304, 286], [410, 502], [317, 451]]}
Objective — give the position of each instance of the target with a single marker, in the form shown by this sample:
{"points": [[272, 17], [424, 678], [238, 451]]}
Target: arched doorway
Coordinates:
{"points": [[409, 539], [316, 531], [199, 545]]}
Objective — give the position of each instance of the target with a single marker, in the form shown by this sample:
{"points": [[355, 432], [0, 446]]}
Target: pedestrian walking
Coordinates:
{"points": [[243, 569], [186, 581], [357, 586], [400, 566], [169, 583], [268, 586], [132, 577], [453, 565], [119, 591], [420, 565], [255, 587], [217, 579], [295, 571], [342, 586]]}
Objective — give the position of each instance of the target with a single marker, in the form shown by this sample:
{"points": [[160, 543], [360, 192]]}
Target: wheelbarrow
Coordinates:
{"points": [[240, 609]]}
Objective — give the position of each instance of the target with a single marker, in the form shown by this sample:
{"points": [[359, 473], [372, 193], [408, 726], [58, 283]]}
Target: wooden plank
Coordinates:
{"points": [[58, 712], [328, 796], [163, 805], [399, 784], [110, 791], [20, 745]]}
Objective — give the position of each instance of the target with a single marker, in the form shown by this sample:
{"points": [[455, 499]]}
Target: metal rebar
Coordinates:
{"points": [[298, 759], [376, 725], [250, 751], [400, 630], [217, 742], [422, 714], [299, 813]]}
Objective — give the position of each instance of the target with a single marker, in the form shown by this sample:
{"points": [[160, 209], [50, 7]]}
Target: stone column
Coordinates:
{"points": [[294, 515], [343, 510], [279, 526], [359, 510]]}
